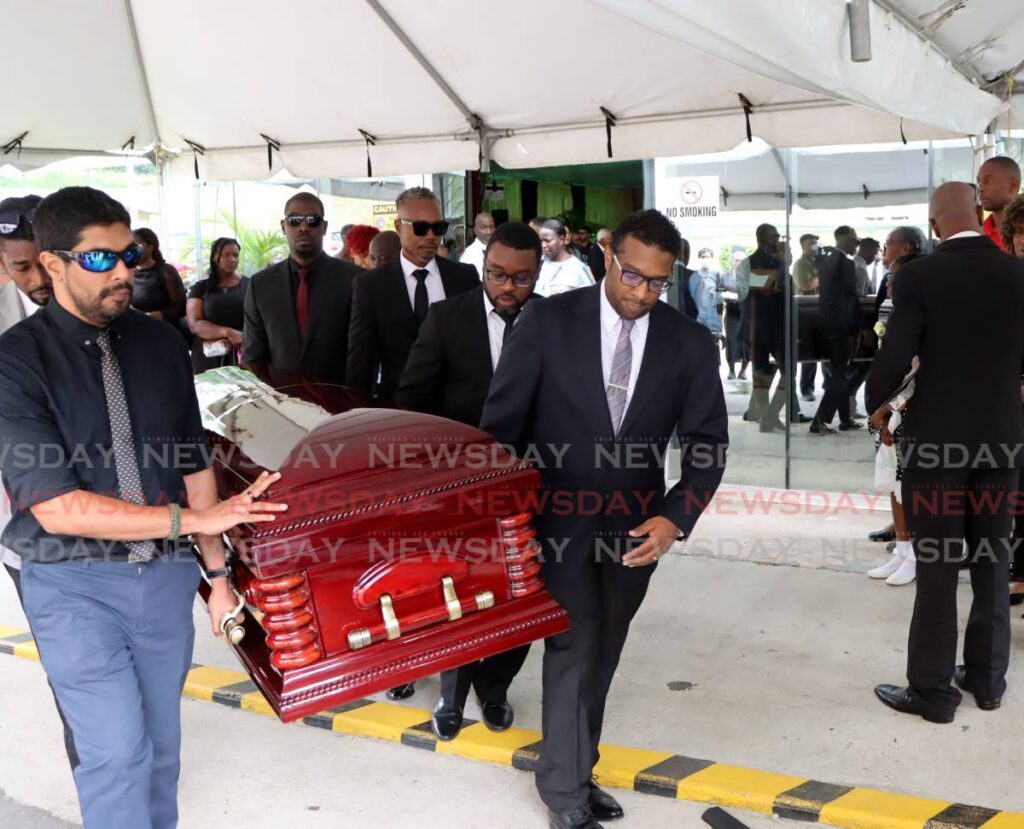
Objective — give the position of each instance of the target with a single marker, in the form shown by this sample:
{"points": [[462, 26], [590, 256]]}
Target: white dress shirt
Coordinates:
{"points": [[27, 305], [963, 234], [611, 325], [474, 255], [495, 330], [435, 288]]}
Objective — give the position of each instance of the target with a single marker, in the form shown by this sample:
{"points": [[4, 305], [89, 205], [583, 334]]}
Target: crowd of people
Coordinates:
{"points": [[532, 333]]}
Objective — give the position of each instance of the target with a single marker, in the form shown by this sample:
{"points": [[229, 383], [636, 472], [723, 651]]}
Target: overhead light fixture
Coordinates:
{"points": [[859, 13]]}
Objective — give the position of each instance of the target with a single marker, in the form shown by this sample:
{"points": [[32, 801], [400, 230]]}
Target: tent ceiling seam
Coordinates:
{"points": [[926, 35], [140, 67]]}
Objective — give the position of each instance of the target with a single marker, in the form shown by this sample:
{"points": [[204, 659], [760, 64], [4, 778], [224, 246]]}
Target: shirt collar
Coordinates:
{"points": [[408, 267], [294, 266], [963, 234], [82, 332], [610, 319], [28, 307]]}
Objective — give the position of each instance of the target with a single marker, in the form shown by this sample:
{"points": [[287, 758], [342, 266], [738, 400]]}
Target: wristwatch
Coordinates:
{"points": [[219, 573]]}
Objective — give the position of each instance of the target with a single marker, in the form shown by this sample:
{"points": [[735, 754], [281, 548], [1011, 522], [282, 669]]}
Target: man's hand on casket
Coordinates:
{"points": [[661, 534], [243, 508]]}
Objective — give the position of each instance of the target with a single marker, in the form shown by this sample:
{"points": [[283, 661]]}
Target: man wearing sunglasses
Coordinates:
{"points": [[448, 374], [108, 576], [297, 311], [390, 303], [594, 381]]}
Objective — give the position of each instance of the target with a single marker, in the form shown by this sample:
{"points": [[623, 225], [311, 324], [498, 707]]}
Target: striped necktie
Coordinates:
{"points": [[618, 377]]}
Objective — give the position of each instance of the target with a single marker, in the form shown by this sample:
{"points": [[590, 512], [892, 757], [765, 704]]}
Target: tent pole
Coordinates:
{"points": [[196, 210], [931, 180]]}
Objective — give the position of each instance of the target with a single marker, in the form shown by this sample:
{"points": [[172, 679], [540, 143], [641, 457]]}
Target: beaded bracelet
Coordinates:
{"points": [[175, 532]]}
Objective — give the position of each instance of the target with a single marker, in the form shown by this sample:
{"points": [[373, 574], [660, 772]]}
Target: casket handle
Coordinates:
{"points": [[451, 599], [387, 610]]}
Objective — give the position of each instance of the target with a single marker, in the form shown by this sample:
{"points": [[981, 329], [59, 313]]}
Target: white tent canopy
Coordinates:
{"points": [[752, 176], [447, 85]]}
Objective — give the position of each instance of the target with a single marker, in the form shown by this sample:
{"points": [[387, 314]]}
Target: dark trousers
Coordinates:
{"points": [[765, 351], [837, 395], [938, 529], [808, 371], [490, 678], [69, 738], [601, 597]]}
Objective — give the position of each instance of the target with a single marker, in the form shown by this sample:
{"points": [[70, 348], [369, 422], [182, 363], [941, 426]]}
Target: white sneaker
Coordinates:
{"points": [[883, 571], [906, 573]]}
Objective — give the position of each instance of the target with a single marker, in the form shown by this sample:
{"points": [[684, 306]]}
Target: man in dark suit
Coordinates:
{"points": [[390, 303], [297, 311], [839, 312], [448, 373], [679, 296], [595, 381], [961, 445]]}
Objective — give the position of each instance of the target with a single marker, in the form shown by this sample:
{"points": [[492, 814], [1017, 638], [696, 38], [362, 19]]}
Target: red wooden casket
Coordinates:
{"points": [[407, 548]]}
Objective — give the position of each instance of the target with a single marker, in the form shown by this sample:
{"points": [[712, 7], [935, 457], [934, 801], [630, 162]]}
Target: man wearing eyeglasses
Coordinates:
{"points": [[297, 311], [448, 374], [594, 382], [108, 577], [390, 303]]}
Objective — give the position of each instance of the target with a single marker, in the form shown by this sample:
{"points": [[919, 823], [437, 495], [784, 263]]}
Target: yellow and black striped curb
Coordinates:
{"points": [[642, 770]]}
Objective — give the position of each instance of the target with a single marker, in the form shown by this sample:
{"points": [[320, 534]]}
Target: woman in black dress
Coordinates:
{"points": [[157, 289], [215, 309]]}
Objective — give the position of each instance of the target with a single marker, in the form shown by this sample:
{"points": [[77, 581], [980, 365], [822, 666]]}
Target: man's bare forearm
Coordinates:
{"points": [[201, 488]]}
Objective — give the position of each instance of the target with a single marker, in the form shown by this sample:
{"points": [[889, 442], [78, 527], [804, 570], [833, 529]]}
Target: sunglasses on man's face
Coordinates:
{"points": [[101, 261], [420, 228], [311, 221]]}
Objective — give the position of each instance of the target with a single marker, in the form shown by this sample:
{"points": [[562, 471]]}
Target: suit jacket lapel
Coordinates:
{"points": [[444, 267], [652, 369], [585, 353], [478, 335]]}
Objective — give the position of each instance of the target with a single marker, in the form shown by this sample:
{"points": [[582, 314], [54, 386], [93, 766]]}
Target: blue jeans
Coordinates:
{"points": [[116, 641]]}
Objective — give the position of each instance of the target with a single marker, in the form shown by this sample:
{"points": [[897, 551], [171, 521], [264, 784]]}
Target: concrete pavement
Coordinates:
{"points": [[758, 646]]}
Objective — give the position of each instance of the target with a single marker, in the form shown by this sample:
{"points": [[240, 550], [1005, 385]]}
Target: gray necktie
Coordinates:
{"points": [[618, 377], [129, 482]]}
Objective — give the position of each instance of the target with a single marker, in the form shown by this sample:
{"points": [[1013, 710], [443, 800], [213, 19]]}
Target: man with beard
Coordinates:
{"points": [[595, 381], [998, 185], [297, 311], [108, 576], [448, 373]]}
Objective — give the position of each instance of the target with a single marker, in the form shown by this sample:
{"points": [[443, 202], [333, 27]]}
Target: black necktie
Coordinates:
{"points": [[509, 322], [420, 302], [129, 479]]}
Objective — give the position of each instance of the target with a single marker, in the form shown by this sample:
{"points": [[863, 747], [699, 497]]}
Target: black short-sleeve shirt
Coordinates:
{"points": [[55, 430]]}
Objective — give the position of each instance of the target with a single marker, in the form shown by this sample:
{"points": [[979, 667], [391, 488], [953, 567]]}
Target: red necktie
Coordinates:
{"points": [[302, 301]]}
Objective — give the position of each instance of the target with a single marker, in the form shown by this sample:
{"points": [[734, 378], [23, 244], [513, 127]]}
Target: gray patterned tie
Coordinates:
{"points": [[618, 377], [129, 482]]}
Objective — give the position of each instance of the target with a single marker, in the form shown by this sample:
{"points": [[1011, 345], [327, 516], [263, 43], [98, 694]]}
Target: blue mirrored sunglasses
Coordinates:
{"points": [[101, 261]]}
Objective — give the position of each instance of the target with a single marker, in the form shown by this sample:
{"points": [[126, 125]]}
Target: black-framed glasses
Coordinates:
{"points": [[658, 284], [310, 220], [101, 261], [523, 279], [420, 228]]}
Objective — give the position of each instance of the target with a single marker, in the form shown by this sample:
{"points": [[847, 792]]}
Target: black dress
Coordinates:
{"points": [[149, 289], [221, 306]]}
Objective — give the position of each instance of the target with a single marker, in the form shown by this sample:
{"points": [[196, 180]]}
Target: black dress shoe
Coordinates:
{"points": [[446, 721], [581, 818], [888, 534], [899, 699], [849, 426], [497, 716], [819, 428], [802, 418], [960, 678], [602, 804], [401, 691]]}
